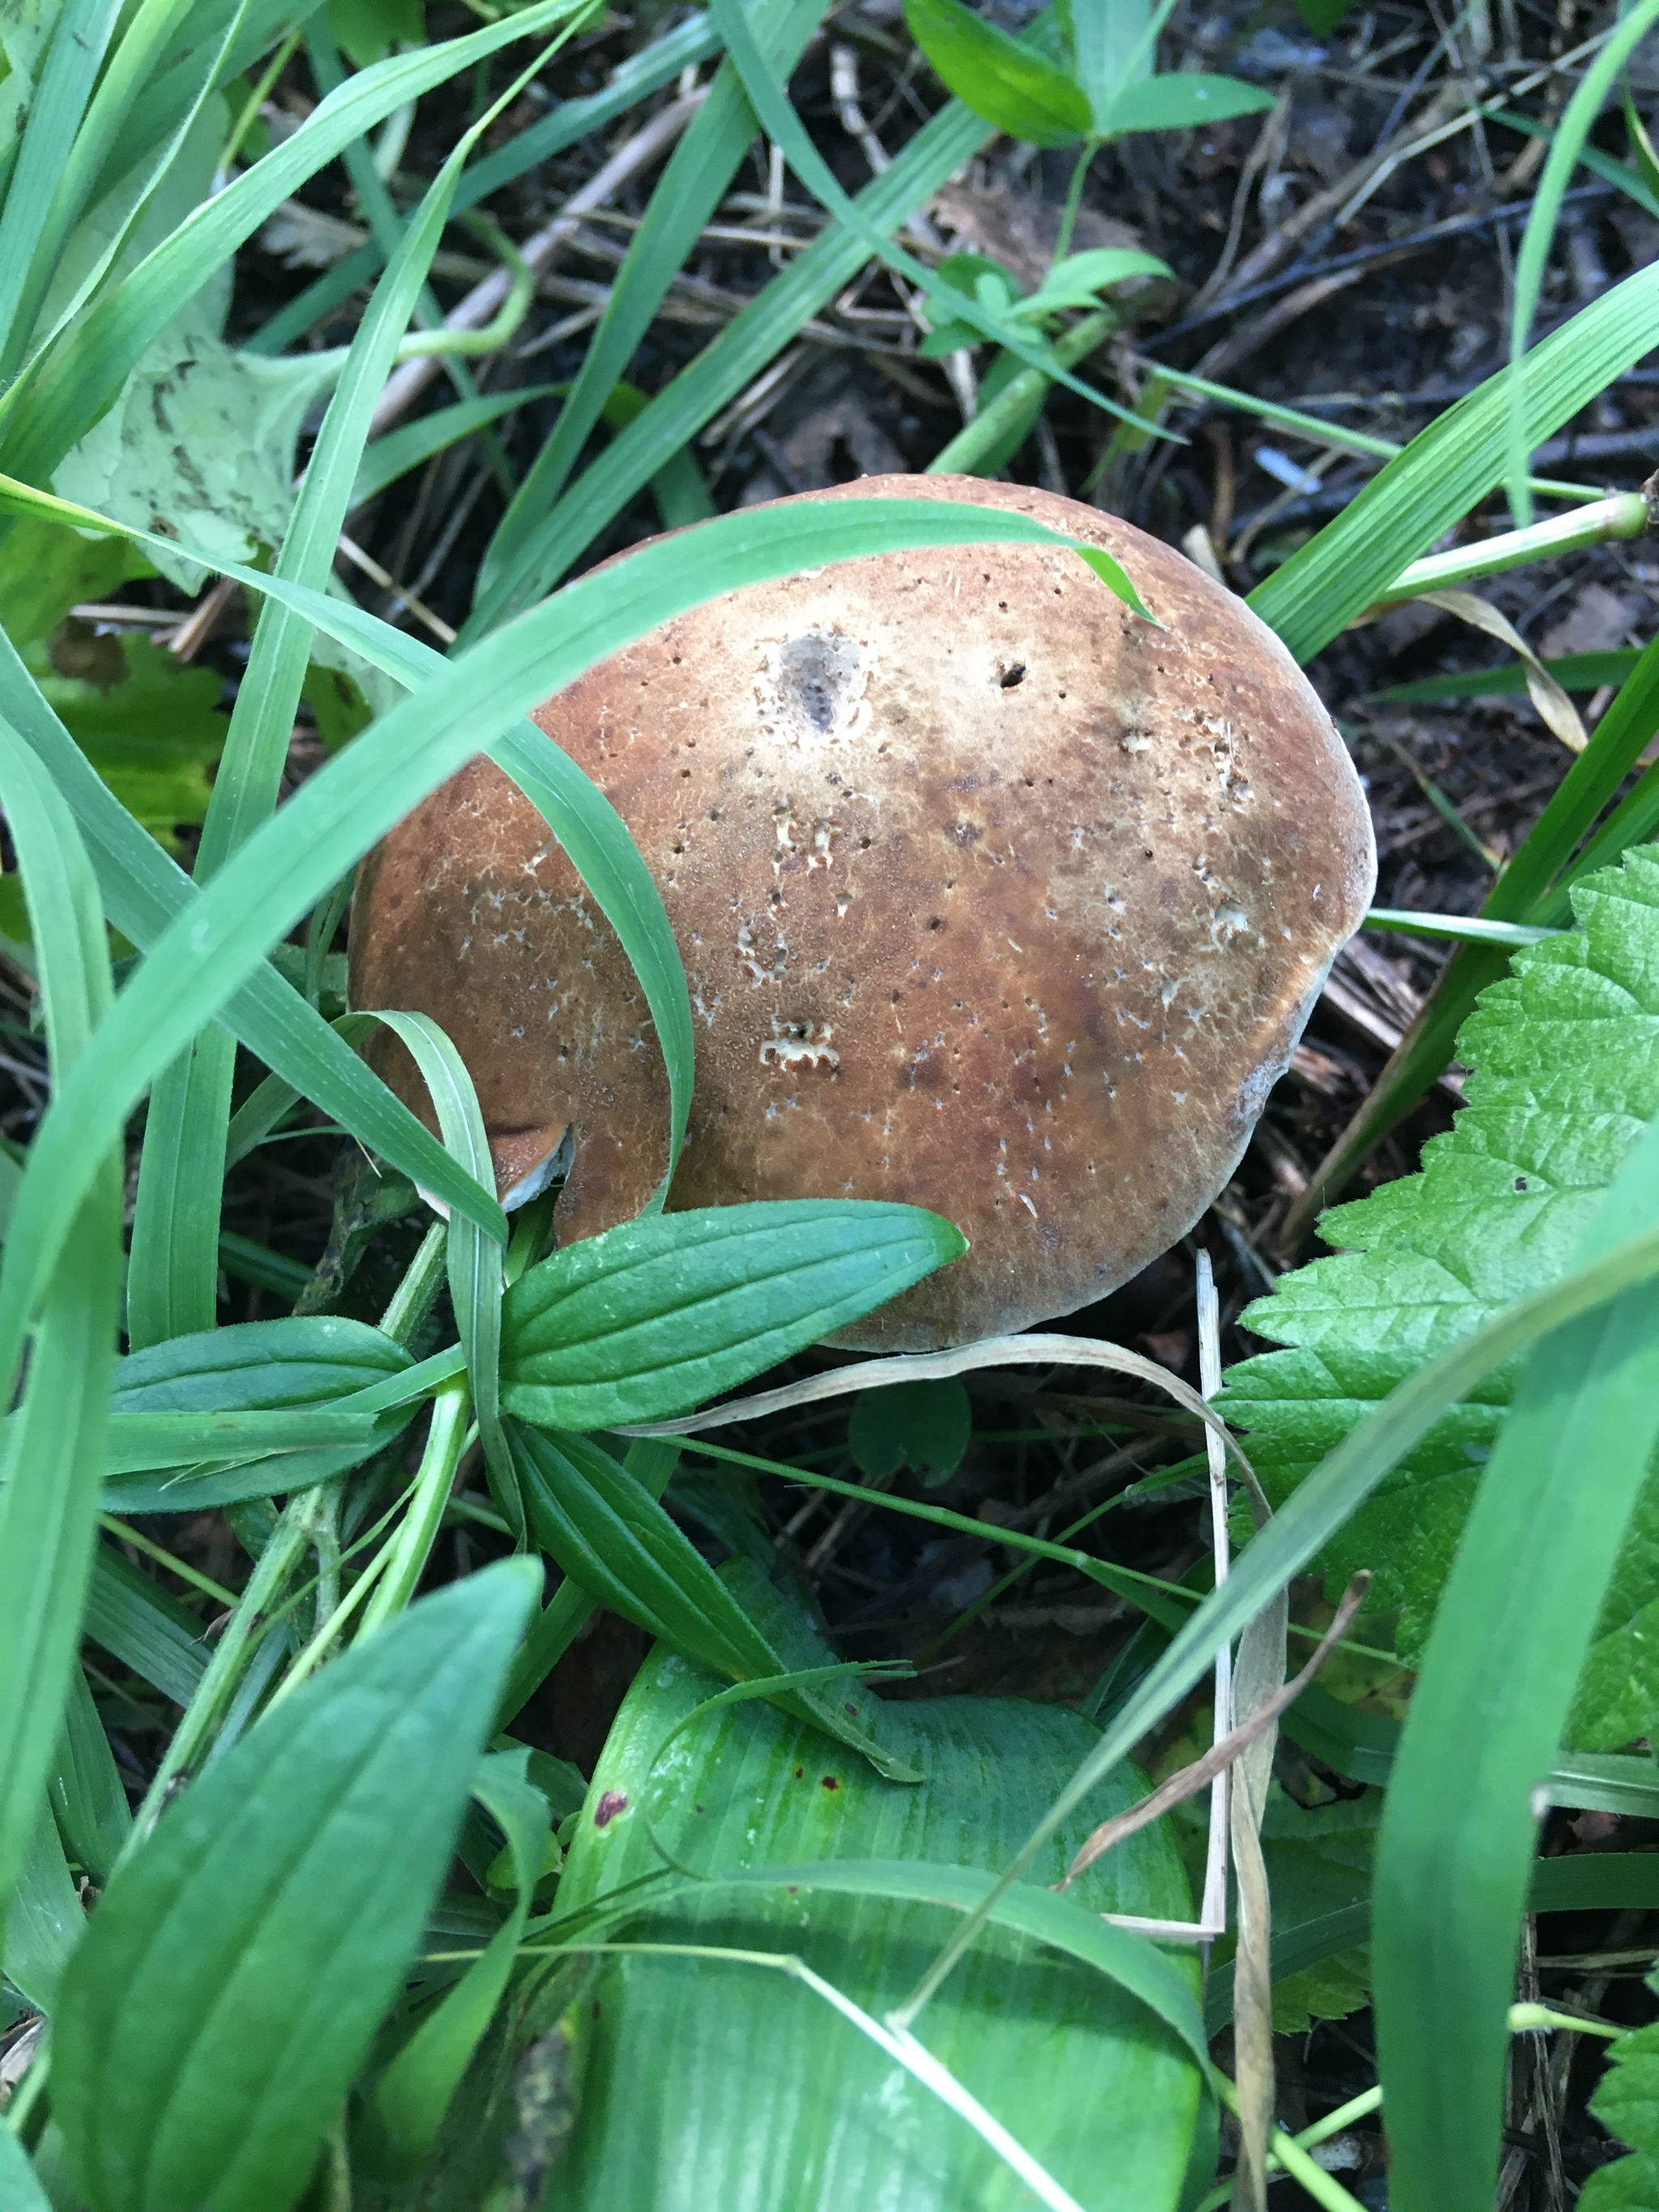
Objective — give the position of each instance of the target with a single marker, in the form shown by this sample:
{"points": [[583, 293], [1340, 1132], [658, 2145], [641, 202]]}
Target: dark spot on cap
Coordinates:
{"points": [[1011, 676], [611, 1802]]}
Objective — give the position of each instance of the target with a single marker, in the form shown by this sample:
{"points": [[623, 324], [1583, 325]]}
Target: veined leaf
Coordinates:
{"points": [[753, 2076], [239, 1961], [1181, 102], [1002, 78], [662, 1313]]}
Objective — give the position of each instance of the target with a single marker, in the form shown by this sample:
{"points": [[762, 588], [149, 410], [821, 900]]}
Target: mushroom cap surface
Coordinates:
{"points": [[992, 897]]}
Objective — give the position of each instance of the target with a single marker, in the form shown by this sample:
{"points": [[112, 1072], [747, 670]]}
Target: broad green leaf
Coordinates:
{"points": [[1566, 1061], [615, 1543], [152, 729], [924, 1425], [1450, 467], [1000, 78], [1110, 45], [1184, 102], [49, 1505], [657, 1316], [1510, 1636], [46, 569], [20, 2188], [257, 1364], [751, 2075], [240, 1960]]}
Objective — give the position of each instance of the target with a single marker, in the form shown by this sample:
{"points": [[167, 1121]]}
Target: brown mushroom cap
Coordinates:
{"points": [[991, 897]]}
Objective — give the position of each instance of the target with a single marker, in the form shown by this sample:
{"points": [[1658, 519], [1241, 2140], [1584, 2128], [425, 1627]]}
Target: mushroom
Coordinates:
{"points": [[992, 896]]}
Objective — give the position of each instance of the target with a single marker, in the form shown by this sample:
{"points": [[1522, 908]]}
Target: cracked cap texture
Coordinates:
{"points": [[992, 898]]}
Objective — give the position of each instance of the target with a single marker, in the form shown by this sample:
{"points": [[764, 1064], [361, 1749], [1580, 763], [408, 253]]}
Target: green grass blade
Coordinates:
{"points": [[82, 33], [206, 954], [55, 1462], [1449, 467], [142, 890], [1566, 143], [1511, 1633], [81, 375], [406, 448], [738, 354], [693, 184], [173, 1273], [1323, 1503]]}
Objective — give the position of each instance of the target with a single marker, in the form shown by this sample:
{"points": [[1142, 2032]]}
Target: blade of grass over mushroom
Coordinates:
{"points": [[73, 382], [1447, 468], [287, 1888], [143, 888], [720, 372], [173, 1271], [1307, 1521], [296, 858], [695, 181], [1566, 142], [48, 1508], [1511, 1633], [474, 1260]]}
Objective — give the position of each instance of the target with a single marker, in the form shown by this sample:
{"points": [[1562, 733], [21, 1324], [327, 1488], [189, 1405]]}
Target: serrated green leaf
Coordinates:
{"points": [[759, 2077], [657, 1316], [239, 1961], [1565, 1060], [998, 76]]}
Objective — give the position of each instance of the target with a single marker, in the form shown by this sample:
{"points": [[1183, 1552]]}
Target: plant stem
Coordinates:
{"points": [[1626, 514], [415, 1296], [1086, 153], [981, 435], [272, 1569], [446, 1440]]}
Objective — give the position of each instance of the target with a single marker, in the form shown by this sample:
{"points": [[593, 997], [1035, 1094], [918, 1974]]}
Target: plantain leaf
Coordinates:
{"points": [[664, 1312], [239, 1962], [1000, 78], [1182, 102], [1565, 1058], [751, 2076]]}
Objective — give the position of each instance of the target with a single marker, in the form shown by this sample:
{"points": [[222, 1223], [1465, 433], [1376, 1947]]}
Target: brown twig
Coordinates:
{"points": [[1202, 1771]]}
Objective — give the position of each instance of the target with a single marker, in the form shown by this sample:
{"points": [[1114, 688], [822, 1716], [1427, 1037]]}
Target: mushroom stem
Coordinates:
{"points": [[1625, 515], [976, 439]]}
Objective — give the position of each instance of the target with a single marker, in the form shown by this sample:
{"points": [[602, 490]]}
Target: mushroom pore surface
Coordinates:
{"points": [[992, 897]]}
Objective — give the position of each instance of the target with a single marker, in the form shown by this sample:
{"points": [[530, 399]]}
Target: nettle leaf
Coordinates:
{"points": [[751, 2074], [1626, 2102], [655, 1317], [229, 1984], [1000, 78], [1565, 1055]]}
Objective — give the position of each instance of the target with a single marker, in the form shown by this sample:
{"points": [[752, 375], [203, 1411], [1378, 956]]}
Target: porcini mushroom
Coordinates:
{"points": [[991, 895]]}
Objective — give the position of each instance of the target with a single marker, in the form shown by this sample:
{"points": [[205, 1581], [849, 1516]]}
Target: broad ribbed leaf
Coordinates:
{"points": [[238, 1964], [659, 1315], [758, 2091], [998, 78]]}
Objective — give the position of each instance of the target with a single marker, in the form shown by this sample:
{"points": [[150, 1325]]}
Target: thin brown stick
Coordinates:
{"points": [[1203, 1771]]}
